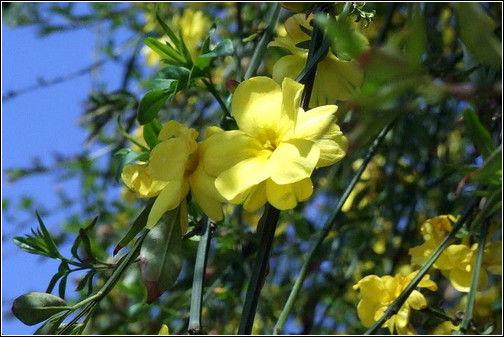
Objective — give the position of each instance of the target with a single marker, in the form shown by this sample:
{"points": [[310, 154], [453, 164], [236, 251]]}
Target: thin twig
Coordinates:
{"points": [[471, 297], [198, 280], [267, 226], [44, 83], [257, 57]]}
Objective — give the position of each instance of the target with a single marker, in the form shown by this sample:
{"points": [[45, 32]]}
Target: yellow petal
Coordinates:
{"points": [[402, 317], [291, 100], [205, 194], [366, 311], [138, 179], [256, 198], [223, 150], [242, 176], [315, 123], [293, 161], [288, 66], [168, 159], [173, 129], [168, 199], [164, 330], [416, 300], [280, 196], [460, 279], [257, 107], [370, 286], [333, 146], [427, 283], [303, 189], [293, 26]]}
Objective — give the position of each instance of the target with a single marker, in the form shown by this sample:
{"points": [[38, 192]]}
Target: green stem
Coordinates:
{"points": [[471, 297], [319, 237], [117, 273], [267, 227], [399, 301], [198, 280], [440, 315], [211, 88], [257, 57]]}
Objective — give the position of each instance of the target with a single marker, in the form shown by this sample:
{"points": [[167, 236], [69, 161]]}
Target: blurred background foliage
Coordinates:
{"points": [[436, 65]]}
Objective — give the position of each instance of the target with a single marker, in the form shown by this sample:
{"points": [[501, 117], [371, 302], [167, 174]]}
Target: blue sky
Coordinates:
{"points": [[40, 123]]}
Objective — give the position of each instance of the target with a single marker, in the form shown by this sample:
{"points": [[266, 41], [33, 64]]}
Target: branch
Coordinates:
{"points": [[43, 83], [257, 57], [267, 227]]}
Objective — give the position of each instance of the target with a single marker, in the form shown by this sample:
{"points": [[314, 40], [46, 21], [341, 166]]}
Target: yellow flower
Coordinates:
{"points": [[172, 170], [445, 328], [377, 293], [335, 79], [164, 330], [457, 260], [272, 156], [192, 25]]}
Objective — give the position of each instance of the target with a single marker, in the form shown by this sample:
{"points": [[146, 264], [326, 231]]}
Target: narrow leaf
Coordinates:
{"points": [[161, 255], [478, 133], [152, 102], [35, 307], [139, 224]]}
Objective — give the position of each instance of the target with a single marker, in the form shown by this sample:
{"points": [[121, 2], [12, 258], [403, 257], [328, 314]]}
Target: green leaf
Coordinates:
{"points": [[75, 246], [139, 224], [153, 101], [346, 41], [181, 74], [47, 237], [476, 31], [50, 327], [478, 133], [167, 29], [491, 171], [165, 51], [87, 280], [35, 307], [161, 255], [223, 48], [150, 135], [183, 48], [416, 39]]}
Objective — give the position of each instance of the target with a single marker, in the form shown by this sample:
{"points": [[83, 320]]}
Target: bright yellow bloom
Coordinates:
{"points": [[377, 293], [335, 79], [272, 156], [174, 169], [457, 260], [193, 26]]}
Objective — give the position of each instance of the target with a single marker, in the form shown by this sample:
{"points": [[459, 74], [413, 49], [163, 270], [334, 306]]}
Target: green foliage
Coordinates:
{"points": [[34, 307], [40, 242], [160, 256], [347, 42], [477, 32]]}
